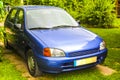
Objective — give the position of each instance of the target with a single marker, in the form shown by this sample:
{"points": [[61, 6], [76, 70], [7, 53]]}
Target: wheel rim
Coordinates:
{"points": [[31, 63]]}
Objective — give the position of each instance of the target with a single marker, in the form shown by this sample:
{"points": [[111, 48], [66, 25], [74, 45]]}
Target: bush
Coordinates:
{"points": [[1, 11], [12, 2], [98, 12]]}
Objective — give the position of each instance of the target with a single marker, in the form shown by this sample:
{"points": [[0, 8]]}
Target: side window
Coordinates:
{"points": [[19, 19], [12, 14]]}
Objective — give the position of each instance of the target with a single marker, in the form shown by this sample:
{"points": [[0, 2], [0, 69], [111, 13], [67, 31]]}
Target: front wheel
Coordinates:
{"points": [[32, 64]]}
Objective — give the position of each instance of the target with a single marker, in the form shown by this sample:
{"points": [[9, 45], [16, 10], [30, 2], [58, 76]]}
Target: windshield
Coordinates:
{"points": [[49, 18]]}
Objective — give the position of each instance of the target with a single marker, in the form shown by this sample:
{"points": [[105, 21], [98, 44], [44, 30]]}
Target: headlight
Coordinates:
{"points": [[102, 45], [53, 52]]}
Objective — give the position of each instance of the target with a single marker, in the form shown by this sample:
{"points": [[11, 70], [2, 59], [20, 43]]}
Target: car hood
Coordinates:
{"points": [[68, 39]]}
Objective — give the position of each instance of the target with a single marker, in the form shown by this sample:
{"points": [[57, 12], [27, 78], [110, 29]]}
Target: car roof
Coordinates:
{"points": [[29, 7]]}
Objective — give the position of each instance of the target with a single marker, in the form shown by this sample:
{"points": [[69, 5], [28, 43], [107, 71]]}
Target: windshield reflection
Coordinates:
{"points": [[48, 18]]}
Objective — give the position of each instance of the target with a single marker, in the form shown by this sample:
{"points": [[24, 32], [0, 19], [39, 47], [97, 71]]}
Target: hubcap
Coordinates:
{"points": [[31, 63]]}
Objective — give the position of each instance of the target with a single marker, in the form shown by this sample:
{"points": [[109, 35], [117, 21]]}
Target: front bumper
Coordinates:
{"points": [[57, 65]]}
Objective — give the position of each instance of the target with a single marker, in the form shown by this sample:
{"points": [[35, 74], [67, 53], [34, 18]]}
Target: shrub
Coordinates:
{"points": [[98, 12], [12, 2], [1, 10]]}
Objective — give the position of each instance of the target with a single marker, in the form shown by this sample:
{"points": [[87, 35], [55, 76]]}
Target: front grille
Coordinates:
{"points": [[81, 53]]}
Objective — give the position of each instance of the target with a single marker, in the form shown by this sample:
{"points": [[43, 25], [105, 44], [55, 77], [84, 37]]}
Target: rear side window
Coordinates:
{"points": [[19, 21], [12, 15], [20, 17]]}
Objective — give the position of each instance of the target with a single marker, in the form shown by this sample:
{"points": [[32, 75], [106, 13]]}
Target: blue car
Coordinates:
{"points": [[50, 40]]}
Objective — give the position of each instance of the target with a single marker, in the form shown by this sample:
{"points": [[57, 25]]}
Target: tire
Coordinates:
{"points": [[32, 64]]}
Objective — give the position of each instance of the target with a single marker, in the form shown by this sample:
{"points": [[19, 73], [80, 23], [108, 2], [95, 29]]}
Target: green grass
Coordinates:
{"points": [[8, 71], [111, 36], [112, 39]]}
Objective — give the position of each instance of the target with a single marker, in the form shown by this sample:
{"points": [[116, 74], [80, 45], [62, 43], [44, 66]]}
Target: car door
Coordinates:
{"points": [[19, 31], [14, 26], [9, 27]]}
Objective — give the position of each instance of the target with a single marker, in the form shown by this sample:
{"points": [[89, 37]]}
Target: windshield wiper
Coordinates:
{"points": [[64, 26], [37, 28]]}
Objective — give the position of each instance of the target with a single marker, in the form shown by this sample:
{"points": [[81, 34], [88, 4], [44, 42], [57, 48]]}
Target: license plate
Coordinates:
{"points": [[85, 61]]}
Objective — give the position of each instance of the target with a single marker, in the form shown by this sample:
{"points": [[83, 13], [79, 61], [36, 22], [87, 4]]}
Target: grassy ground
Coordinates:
{"points": [[8, 72], [111, 36]]}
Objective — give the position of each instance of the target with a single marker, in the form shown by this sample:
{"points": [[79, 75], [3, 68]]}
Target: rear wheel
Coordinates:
{"points": [[32, 64]]}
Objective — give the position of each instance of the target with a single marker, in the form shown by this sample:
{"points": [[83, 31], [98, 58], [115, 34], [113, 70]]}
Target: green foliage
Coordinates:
{"points": [[74, 8], [98, 12], [1, 10], [12, 2]]}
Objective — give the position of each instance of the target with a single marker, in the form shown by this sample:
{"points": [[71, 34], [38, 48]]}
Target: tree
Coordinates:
{"points": [[13, 2]]}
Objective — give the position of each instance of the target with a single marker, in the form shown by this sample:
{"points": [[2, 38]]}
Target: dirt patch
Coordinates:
{"points": [[19, 63], [105, 70], [1, 24]]}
